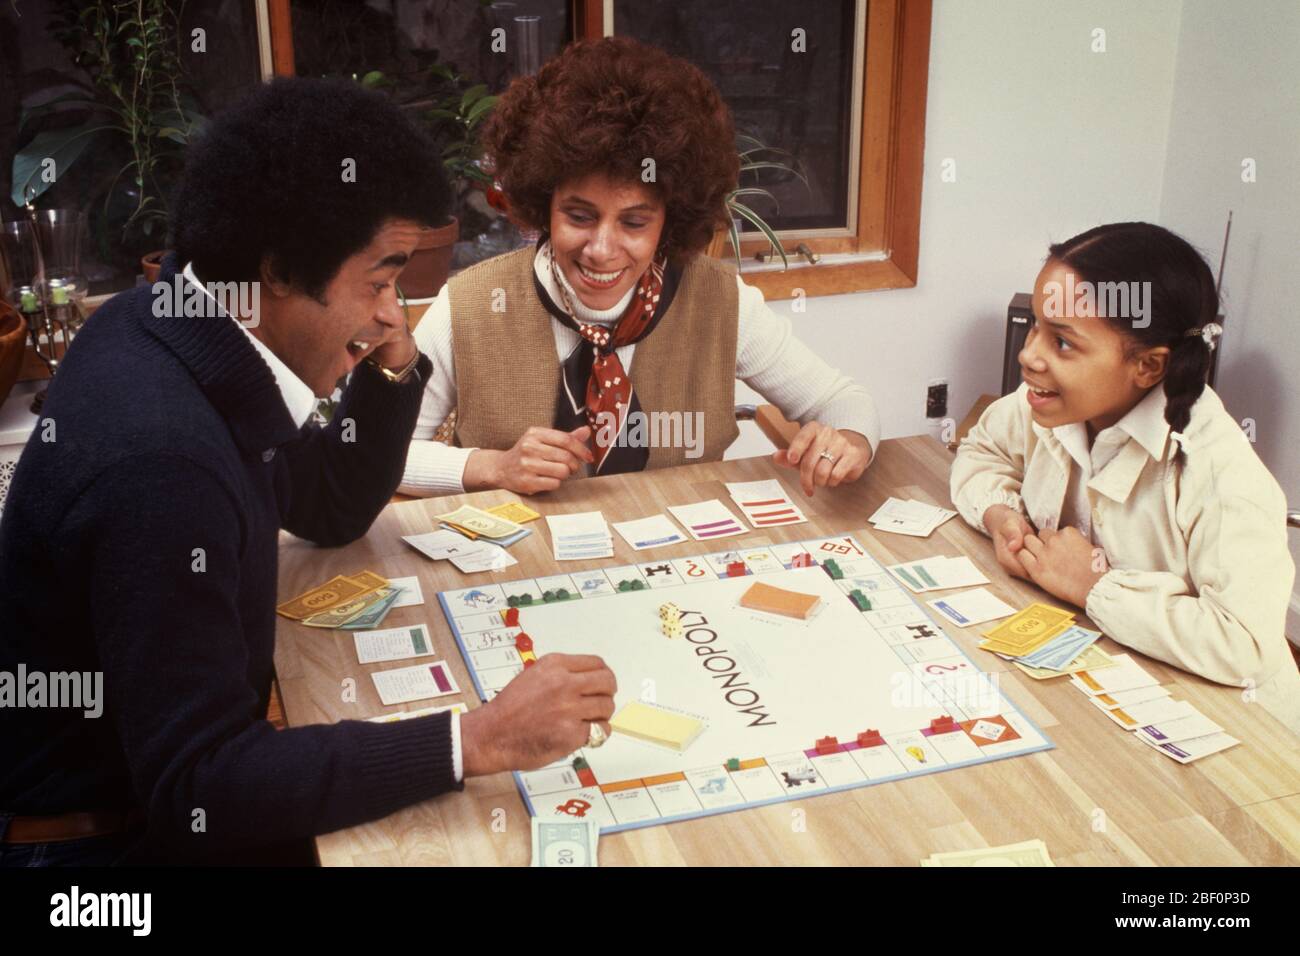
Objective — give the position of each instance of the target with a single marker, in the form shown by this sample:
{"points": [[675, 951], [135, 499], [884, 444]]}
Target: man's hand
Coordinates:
{"points": [[396, 349], [542, 715], [1064, 563], [851, 451], [1008, 528], [539, 461]]}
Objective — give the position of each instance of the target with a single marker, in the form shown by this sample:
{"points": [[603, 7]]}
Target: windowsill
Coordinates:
{"points": [[834, 274], [798, 263]]}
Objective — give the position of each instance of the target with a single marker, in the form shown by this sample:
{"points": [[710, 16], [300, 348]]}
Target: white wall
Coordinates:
{"points": [[1237, 96], [1049, 139]]}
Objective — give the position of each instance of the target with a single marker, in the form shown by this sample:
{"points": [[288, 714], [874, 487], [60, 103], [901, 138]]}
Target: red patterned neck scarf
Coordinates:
{"points": [[596, 367]]}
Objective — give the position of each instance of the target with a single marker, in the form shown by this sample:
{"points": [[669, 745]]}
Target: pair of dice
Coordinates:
{"points": [[670, 620]]}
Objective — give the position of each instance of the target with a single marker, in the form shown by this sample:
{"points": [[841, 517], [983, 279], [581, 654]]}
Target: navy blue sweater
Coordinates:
{"points": [[170, 435]]}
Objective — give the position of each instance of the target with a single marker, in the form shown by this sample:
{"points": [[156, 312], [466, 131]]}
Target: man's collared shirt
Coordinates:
{"points": [[297, 394]]}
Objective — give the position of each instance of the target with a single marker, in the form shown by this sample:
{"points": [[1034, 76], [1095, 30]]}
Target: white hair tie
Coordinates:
{"points": [[1208, 333]]}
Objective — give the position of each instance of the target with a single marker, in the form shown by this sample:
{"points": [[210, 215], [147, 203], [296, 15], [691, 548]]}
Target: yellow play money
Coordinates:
{"points": [[480, 522], [515, 511], [1030, 625]]}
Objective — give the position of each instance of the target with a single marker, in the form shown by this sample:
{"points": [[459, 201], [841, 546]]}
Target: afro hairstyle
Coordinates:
{"points": [[266, 181]]}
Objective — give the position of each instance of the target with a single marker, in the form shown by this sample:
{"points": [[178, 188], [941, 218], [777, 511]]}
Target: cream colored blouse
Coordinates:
{"points": [[1200, 570]]}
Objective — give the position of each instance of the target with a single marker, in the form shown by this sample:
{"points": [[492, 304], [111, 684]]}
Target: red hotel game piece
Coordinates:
{"points": [[942, 725]]}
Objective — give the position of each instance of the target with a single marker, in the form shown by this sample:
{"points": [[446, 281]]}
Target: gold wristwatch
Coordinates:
{"points": [[397, 378]]}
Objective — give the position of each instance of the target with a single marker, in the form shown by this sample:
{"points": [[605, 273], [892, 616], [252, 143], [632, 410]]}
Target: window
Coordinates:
{"points": [[849, 108], [428, 56]]}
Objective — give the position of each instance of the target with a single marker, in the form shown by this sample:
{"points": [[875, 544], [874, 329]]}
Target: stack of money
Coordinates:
{"points": [[362, 614], [1029, 853], [351, 601], [474, 523], [570, 842], [1040, 638]]}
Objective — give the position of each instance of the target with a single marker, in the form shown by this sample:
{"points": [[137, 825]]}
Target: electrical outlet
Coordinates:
{"points": [[936, 398]]}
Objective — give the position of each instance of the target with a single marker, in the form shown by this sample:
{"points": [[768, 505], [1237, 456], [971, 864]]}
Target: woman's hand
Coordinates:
{"points": [[1064, 563], [1008, 528], [539, 461], [851, 453]]}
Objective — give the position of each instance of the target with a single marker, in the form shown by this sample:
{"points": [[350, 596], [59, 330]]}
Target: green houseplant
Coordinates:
{"points": [[755, 157], [451, 108], [136, 112]]}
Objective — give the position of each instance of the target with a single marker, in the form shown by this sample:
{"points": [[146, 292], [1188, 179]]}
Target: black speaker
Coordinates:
{"points": [[1020, 318]]}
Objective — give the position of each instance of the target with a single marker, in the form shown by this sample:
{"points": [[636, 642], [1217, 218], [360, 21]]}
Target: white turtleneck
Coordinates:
{"points": [[769, 359]]}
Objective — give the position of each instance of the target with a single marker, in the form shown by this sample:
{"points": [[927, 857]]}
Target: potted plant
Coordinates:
{"points": [[751, 152], [458, 109], [134, 109]]}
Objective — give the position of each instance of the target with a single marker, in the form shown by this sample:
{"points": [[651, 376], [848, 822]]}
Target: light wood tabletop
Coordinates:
{"points": [[1100, 797]]}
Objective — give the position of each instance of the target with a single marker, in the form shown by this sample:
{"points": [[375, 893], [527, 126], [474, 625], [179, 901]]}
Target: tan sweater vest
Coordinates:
{"points": [[508, 374]]}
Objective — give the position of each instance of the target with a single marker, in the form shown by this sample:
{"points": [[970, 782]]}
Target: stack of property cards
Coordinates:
{"points": [[420, 682], [914, 518], [1135, 700], [477, 524], [393, 644], [765, 503], [706, 520], [468, 556], [938, 574], [580, 537], [1029, 853], [656, 531], [342, 589], [568, 843]]}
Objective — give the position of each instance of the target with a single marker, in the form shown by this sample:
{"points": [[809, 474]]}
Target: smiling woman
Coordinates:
{"points": [[621, 157]]}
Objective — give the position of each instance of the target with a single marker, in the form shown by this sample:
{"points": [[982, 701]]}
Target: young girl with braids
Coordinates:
{"points": [[1114, 479]]}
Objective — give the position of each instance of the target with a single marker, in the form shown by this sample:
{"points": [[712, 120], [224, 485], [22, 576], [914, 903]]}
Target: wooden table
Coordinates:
{"points": [[1100, 797]]}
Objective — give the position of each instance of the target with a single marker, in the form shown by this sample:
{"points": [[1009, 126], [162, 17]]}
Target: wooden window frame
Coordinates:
{"points": [[882, 252]]}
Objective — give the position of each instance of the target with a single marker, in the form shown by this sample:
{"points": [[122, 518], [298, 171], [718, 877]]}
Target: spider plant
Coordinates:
{"points": [[756, 156]]}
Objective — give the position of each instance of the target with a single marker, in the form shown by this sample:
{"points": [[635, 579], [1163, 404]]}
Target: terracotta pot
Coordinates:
{"points": [[151, 265], [13, 343], [430, 264]]}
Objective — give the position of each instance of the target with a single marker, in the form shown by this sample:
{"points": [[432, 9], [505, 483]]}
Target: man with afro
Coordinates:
{"points": [[138, 547]]}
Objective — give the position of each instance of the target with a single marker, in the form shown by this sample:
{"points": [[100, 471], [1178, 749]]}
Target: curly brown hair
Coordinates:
{"points": [[603, 106]]}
